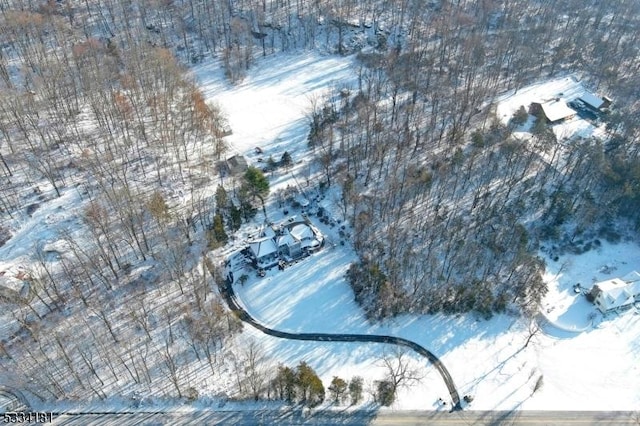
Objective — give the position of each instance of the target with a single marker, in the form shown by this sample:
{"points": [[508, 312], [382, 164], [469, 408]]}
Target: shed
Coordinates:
{"points": [[236, 165], [592, 101]]}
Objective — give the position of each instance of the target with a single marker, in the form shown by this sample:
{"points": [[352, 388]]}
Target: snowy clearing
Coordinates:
{"points": [[269, 108], [565, 89]]}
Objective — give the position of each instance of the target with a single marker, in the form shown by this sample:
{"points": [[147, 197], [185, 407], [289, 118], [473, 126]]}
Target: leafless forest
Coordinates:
{"points": [[99, 116]]}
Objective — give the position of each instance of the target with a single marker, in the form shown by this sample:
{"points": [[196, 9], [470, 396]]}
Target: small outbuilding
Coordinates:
{"points": [[236, 165], [595, 103], [14, 287]]}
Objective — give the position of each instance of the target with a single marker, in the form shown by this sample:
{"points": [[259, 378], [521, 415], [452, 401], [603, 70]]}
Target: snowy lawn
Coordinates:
{"points": [[269, 108], [486, 358]]}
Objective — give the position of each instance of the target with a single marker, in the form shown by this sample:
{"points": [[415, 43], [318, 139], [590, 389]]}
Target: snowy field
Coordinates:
{"points": [[487, 359], [269, 108], [583, 360]]}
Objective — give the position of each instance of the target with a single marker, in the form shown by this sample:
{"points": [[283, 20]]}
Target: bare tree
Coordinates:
{"points": [[533, 330], [399, 369]]}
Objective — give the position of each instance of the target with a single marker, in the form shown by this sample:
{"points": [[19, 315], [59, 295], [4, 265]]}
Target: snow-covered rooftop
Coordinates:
{"points": [[618, 292], [301, 232], [286, 240], [592, 100], [263, 247], [611, 285], [631, 277], [557, 110]]}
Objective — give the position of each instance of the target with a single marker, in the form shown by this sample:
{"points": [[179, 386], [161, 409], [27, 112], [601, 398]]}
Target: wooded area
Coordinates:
{"points": [[98, 110]]}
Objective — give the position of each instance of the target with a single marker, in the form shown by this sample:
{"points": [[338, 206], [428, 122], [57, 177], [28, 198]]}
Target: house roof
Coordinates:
{"points": [[268, 232], [263, 247], [616, 293], [556, 110], [591, 100], [301, 232], [631, 277], [286, 240], [237, 164]]}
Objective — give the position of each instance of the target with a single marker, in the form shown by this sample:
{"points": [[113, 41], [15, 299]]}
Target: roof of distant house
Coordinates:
{"points": [[611, 285], [237, 164], [592, 100], [557, 110], [631, 277], [616, 292]]}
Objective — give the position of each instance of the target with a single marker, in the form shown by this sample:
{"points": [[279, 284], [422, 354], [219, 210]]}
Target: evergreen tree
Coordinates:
{"points": [[284, 384], [309, 384], [255, 185], [286, 159], [385, 393], [218, 229], [337, 389], [221, 198], [236, 217], [355, 389], [519, 117], [271, 163]]}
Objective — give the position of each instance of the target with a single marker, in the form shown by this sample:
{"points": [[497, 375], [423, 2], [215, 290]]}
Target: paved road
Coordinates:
{"points": [[528, 418], [230, 297], [361, 417]]}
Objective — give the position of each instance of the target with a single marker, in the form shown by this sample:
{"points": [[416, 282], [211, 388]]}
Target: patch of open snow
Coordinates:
{"points": [[487, 359], [269, 108]]}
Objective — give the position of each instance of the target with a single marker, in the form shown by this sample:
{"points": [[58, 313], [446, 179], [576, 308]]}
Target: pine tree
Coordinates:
{"points": [[236, 217], [337, 389], [355, 389], [218, 229], [221, 198], [255, 185], [286, 159], [310, 386]]}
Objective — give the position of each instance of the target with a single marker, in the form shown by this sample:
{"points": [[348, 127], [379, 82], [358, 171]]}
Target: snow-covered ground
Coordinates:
{"points": [[487, 359], [269, 108]]}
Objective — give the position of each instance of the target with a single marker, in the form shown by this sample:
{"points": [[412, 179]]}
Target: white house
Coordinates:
{"points": [[287, 241], [617, 293]]}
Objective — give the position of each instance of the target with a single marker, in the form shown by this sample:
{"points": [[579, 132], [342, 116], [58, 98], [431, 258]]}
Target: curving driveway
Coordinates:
{"points": [[229, 295], [12, 400]]}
